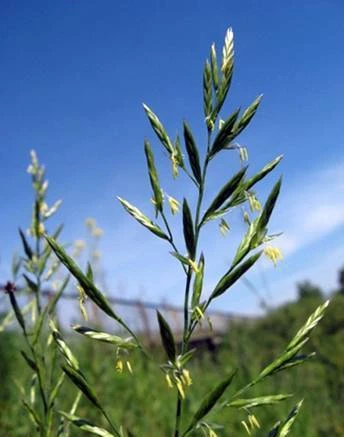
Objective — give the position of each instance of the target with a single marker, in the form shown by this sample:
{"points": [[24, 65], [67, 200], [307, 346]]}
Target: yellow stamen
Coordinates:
{"points": [[253, 421], [199, 312], [82, 300], [175, 161], [129, 367], [212, 433], [168, 380], [186, 377], [244, 424], [193, 265], [273, 253], [119, 366], [254, 202], [243, 153], [174, 204], [180, 388]]}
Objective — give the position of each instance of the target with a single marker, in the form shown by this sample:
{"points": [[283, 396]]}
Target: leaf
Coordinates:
{"points": [[90, 289], [225, 135], [207, 94], [289, 357], [233, 275], [30, 283], [27, 249], [153, 176], [183, 259], [279, 363], [42, 262], [89, 272], [32, 414], [104, 337], [247, 116], [259, 401], [192, 152], [210, 401], [310, 324], [79, 381], [295, 361], [167, 337], [63, 347], [282, 430], [222, 94], [141, 218], [55, 391], [188, 229], [198, 282], [85, 425], [246, 244], [17, 311], [159, 129], [29, 362], [226, 191], [214, 69], [263, 172], [268, 207]]}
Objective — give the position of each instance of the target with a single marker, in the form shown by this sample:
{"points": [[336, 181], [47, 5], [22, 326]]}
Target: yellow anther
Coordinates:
{"points": [[119, 366], [253, 421], [273, 253], [168, 380], [186, 377], [129, 367], [174, 204], [180, 388], [193, 265], [247, 429]]}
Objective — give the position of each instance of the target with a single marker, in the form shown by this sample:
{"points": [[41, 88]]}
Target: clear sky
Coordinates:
{"points": [[73, 77]]}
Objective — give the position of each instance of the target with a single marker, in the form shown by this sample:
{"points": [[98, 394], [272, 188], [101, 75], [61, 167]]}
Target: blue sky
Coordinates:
{"points": [[72, 80]]}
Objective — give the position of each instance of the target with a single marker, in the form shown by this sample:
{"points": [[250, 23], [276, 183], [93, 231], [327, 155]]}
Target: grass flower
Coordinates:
{"points": [[253, 202], [82, 300], [97, 232], [273, 253], [119, 366], [174, 204]]}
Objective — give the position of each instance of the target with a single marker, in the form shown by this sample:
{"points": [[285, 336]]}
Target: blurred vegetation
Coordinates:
{"points": [[142, 401]]}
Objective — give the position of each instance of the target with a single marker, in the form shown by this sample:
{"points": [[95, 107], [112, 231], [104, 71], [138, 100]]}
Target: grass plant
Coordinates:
{"points": [[175, 368]]}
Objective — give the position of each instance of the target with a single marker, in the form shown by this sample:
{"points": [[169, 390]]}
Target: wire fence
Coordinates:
{"points": [[140, 315]]}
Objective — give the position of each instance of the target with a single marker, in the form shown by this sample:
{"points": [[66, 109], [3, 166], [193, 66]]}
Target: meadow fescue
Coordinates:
{"points": [[51, 357]]}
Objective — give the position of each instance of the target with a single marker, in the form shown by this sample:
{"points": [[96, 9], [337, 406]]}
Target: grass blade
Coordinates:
{"points": [[167, 337], [209, 402]]}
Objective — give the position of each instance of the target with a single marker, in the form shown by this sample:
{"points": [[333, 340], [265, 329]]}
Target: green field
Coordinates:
{"points": [[143, 402]]}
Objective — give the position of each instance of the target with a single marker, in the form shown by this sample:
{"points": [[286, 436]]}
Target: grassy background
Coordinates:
{"points": [[145, 405]]}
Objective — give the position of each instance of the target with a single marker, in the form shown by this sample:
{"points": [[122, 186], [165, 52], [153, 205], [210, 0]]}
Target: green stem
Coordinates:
{"points": [[115, 430], [186, 310], [170, 235], [38, 372], [178, 416], [186, 335], [188, 329]]}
